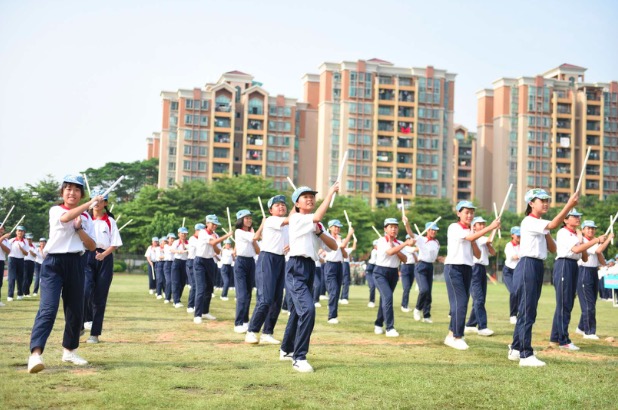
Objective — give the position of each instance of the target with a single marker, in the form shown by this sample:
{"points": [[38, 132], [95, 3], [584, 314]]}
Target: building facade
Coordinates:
{"points": [[227, 128], [464, 164], [396, 124], [535, 132]]}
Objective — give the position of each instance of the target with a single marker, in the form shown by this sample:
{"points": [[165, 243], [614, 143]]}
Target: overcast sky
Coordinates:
{"points": [[80, 81]]}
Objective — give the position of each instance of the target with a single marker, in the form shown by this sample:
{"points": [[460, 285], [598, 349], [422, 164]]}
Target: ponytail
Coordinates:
{"points": [[111, 215]]}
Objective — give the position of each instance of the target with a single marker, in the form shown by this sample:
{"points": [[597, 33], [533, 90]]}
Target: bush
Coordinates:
{"points": [[120, 266]]}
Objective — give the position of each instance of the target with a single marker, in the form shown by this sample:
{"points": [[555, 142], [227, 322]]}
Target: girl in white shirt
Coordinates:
{"points": [[536, 241], [461, 250], [152, 260], [244, 268], [227, 271], [62, 274], [37, 265], [333, 269], [180, 249], [371, 263], [18, 251], [511, 252]]}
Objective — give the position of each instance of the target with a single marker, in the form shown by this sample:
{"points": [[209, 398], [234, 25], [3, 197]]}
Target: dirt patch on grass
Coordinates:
{"points": [[260, 386], [189, 389], [372, 342], [83, 372], [227, 345], [556, 352], [167, 337]]}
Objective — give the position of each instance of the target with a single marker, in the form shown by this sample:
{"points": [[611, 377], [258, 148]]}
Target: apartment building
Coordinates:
{"points": [[464, 164], [535, 132]]}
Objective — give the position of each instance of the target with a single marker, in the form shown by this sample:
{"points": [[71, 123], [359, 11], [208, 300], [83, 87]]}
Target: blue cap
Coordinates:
{"points": [[162, 238], [431, 225], [242, 213], [574, 212], [227, 241], [536, 193], [199, 226], [98, 191], [375, 243], [588, 224], [212, 219], [275, 200], [335, 222], [20, 228], [29, 235], [611, 260], [74, 179], [464, 204], [516, 230], [171, 235], [155, 239], [478, 220], [182, 229], [42, 240], [391, 221], [302, 190]]}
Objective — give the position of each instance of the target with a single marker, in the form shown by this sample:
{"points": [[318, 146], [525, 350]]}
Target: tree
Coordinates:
{"points": [[137, 174]]}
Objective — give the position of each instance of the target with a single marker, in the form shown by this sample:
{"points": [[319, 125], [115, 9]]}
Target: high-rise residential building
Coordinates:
{"points": [[227, 128], [395, 123], [464, 164], [535, 132]]}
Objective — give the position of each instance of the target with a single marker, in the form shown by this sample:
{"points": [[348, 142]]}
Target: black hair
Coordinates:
{"points": [[66, 184], [240, 223], [528, 210], [111, 215]]}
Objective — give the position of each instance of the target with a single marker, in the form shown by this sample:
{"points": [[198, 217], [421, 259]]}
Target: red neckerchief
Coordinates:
{"points": [[395, 241], [18, 240], [209, 232], [514, 243], [430, 239], [84, 214], [589, 239], [463, 225], [534, 216], [570, 230], [105, 218]]}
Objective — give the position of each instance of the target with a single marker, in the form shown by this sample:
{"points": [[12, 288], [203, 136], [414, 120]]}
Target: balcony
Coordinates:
{"points": [[383, 172], [406, 112], [384, 188], [383, 202], [386, 126], [223, 108], [593, 111], [564, 109], [222, 138], [404, 158], [563, 183], [593, 126], [255, 140], [404, 142], [404, 189], [405, 127], [562, 197], [593, 170], [218, 168], [563, 169], [222, 123], [253, 170], [255, 111], [385, 80], [254, 155], [255, 125], [593, 140], [593, 185], [566, 124], [593, 97], [385, 141], [386, 110], [386, 95], [406, 96], [384, 156], [563, 153], [404, 173]]}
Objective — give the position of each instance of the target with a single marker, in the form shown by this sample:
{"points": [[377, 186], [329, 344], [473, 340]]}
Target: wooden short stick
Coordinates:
{"points": [[262, 207], [583, 171], [418, 231], [496, 213], [229, 219], [378, 233], [291, 183], [17, 224], [7, 215]]}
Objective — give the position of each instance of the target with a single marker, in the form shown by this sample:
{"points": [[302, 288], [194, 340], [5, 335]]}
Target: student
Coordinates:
{"points": [[477, 322], [5, 248], [611, 268], [270, 272], [151, 257], [587, 280], [180, 251], [160, 266], [536, 241], [461, 249], [19, 250], [511, 252], [318, 281], [227, 271], [100, 265], [168, 258], [369, 275], [386, 275], [244, 267], [28, 266], [204, 267], [347, 276], [333, 270], [61, 274], [192, 246], [570, 248], [306, 235], [406, 270], [37, 264]]}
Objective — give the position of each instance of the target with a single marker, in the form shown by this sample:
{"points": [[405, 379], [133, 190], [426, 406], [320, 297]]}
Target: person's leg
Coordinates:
{"points": [[51, 289], [333, 284], [19, 276], [105, 275], [300, 279], [91, 266], [528, 278], [168, 279], [176, 281], [242, 297], [346, 277], [73, 301], [317, 284], [12, 277], [210, 272], [458, 278], [275, 308], [191, 279], [199, 274], [385, 311], [250, 286], [407, 278]]}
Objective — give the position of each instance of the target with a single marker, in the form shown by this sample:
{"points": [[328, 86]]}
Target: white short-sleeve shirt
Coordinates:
{"points": [[105, 233], [274, 235], [179, 245], [334, 255], [204, 248], [565, 241], [2, 254], [226, 256], [39, 255], [192, 247], [411, 255], [303, 240], [593, 259], [30, 257], [244, 243], [63, 238], [458, 249], [168, 256], [428, 249], [510, 251], [533, 243], [383, 259], [482, 244], [16, 247]]}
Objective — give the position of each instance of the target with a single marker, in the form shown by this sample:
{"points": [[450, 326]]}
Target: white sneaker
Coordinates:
{"points": [[405, 309], [208, 316], [283, 356], [485, 332], [458, 344], [159, 297], [177, 305], [2, 304], [240, 329], [371, 305], [378, 330], [35, 363], [531, 361], [20, 297], [513, 354], [302, 366], [392, 333], [151, 292], [9, 299], [579, 331], [344, 302], [71, 356], [35, 294], [591, 337], [88, 325], [93, 339], [266, 339], [225, 298], [470, 330], [317, 304], [427, 320], [417, 314], [197, 320], [323, 297], [166, 301], [190, 310], [251, 338], [333, 321], [513, 320], [27, 296], [569, 346]]}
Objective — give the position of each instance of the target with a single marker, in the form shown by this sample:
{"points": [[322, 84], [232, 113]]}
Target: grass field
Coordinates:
{"points": [[153, 356]]}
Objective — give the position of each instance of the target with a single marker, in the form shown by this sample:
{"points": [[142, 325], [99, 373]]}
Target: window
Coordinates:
{"points": [[187, 149], [205, 104], [171, 166], [204, 120], [186, 165], [221, 152], [174, 106], [189, 104]]}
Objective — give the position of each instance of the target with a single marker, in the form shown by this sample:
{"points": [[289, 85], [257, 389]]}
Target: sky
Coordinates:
{"points": [[80, 81]]}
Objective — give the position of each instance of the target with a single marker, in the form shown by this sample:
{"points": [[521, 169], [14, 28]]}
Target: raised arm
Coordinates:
{"points": [[557, 221], [321, 211]]}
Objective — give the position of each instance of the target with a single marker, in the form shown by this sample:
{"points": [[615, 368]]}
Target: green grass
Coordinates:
{"points": [[153, 356]]}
